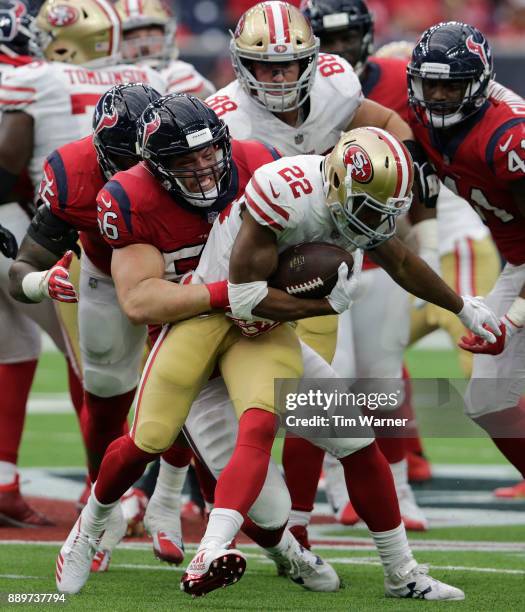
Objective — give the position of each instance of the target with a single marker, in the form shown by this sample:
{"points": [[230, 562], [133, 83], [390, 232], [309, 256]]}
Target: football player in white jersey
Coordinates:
{"points": [[149, 29], [333, 199], [299, 101], [20, 328]]}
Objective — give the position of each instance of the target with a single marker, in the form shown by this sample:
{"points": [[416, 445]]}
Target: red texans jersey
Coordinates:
{"points": [[134, 208], [385, 82], [69, 187], [479, 159]]}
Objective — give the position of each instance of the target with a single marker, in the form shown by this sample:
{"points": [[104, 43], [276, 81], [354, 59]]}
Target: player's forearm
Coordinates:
{"points": [[17, 272], [415, 276], [398, 127], [279, 306], [156, 300]]}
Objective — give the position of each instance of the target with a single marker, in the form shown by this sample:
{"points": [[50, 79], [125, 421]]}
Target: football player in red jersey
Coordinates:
{"points": [[473, 130], [157, 216], [111, 347]]}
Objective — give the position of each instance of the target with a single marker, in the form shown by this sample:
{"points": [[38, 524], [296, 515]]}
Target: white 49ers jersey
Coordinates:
{"points": [[182, 77], [61, 99], [334, 99], [288, 197]]}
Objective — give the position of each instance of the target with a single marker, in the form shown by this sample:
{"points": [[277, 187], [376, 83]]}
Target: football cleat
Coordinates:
{"points": [[163, 525], [305, 568], [115, 531], [167, 546], [411, 581], [134, 503], [15, 511], [300, 533], [74, 559], [348, 516], [418, 468], [212, 569], [192, 512], [411, 514], [517, 491]]}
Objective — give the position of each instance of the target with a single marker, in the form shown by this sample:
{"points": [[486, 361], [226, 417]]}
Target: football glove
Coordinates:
{"points": [[8, 244], [345, 290], [53, 283], [479, 318], [425, 176]]}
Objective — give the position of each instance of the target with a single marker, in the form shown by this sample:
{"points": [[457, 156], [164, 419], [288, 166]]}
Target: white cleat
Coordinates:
{"points": [[74, 559], [305, 568], [411, 581], [212, 569], [163, 525], [115, 530], [411, 514]]}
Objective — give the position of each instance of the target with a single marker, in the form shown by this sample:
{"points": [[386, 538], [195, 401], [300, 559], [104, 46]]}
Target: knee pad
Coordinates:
{"points": [[342, 447], [153, 437], [107, 382], [272, 507]]}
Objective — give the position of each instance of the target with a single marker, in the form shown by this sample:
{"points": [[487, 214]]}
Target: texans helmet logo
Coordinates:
{"points": [[478, 49], [108, 118], [151, 125], [62, 15], [359, 164], [9, 18]]}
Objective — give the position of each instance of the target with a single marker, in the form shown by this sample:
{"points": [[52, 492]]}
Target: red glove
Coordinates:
{"points": [[476, 344], [56, 282]]}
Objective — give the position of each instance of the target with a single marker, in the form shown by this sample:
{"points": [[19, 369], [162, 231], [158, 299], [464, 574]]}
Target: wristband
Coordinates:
{"points": [[516, 312], [218, 294], [32, 286]]}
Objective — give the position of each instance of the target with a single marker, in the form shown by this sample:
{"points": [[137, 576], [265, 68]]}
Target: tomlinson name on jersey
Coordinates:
{"points": [[105, 76]]}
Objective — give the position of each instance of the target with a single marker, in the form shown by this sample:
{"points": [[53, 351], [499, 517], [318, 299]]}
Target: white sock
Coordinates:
{"points": [[95, 516], [7, 472], [169, 485], [223, 526], [400, 473], [393, 547], [298, 517]]}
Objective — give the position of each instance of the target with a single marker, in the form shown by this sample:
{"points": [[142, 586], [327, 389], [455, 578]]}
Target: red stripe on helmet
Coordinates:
{"points": [[271, 22]]}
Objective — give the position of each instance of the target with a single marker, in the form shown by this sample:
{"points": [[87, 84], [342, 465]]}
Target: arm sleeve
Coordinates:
{"points": [[20, 89]]}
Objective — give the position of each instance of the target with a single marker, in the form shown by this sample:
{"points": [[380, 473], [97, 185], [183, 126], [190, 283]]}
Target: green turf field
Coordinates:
{"points": [[486, 562], [492, 581]]}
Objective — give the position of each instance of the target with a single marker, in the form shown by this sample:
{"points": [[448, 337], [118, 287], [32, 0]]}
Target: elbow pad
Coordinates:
{"points": [[245, 297], [53, 233]]}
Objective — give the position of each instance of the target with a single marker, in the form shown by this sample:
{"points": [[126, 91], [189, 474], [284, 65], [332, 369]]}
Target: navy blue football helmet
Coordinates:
{"points": [[178, 125], [455, 52], [16, 33], [114, 125], [330, 18]]}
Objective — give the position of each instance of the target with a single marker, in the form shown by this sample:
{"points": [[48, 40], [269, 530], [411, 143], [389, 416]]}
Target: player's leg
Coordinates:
{"points": [[178, 366], [111, 349], [494, 395], [371, 488], [302, 461], [380, 320], [273, 355]]}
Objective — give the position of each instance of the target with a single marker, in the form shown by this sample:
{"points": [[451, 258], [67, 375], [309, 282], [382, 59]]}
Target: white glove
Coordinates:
{"points": [[475, 315], [53, 283], [346, 288]]}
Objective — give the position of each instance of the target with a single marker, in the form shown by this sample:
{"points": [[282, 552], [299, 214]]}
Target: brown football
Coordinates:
{"points": [[309, 269]]}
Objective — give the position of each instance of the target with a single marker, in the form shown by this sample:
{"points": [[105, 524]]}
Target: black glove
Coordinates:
{"points": [[8, 244], [424, 174]]}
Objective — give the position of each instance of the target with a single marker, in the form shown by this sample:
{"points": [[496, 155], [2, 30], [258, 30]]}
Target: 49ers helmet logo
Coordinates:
{"points": [[62, 15], [361, 169]]}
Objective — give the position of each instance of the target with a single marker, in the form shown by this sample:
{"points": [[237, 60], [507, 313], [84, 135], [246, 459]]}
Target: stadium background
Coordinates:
{"points": [[475, 541]]}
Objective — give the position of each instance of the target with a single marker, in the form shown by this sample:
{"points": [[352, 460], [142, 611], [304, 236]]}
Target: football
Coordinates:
{"points": [[309, 270]]}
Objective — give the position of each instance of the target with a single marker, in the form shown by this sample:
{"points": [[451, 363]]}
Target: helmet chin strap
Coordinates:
{"points": [[192, 198], [282, 102]]}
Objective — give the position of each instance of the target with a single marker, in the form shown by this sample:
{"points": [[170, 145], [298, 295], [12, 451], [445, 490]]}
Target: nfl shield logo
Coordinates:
{"points": [[212, 216], [299, 138]]}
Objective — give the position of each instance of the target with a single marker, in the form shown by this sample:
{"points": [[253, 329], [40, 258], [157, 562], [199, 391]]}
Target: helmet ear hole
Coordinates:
{"points": [[336, 181]]}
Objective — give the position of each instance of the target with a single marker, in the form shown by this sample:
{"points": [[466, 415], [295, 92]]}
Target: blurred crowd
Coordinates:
{"points": [[203, 25]]}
